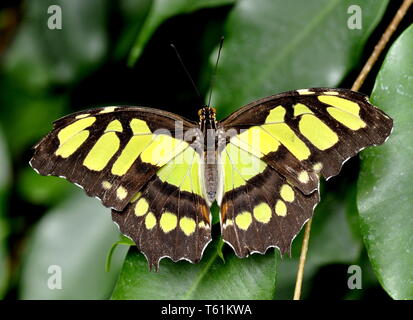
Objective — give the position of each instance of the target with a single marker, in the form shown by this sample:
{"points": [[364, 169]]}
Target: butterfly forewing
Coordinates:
{"points": [[111, 152]]}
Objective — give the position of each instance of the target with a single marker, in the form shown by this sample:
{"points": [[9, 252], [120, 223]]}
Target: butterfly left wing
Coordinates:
{"points": [[273, 153], [112, 152], [169, 217]]}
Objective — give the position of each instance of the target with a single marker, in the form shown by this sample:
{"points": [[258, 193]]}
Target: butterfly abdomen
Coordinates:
{"points": [[210, 175]]}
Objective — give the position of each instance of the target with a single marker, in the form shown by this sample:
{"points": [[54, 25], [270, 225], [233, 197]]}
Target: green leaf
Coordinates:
{"points": [[20, 108], [274, 45], [124, 241], [160, 11], [134, 15], [249, 278], [40, 56], [76, 236], [42, 190], [385, 190]]}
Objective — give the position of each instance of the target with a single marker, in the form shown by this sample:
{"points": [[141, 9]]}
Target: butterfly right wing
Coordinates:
{"points": [[260, 208]]}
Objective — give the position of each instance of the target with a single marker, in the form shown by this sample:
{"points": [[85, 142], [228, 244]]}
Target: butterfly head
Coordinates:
{"points": [[207, 113]]}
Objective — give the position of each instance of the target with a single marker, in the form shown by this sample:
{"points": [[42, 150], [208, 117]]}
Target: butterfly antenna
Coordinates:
{"points": [[214, 75], [187, 73]]}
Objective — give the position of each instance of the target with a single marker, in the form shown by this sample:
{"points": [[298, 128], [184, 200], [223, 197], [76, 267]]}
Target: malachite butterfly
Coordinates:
{"points": [[160, 173]]}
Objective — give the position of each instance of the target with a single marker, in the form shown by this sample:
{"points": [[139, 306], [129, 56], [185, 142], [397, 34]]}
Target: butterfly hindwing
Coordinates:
{"points": [[111, 152], [259, 207], [305, 132], [169, 216]]}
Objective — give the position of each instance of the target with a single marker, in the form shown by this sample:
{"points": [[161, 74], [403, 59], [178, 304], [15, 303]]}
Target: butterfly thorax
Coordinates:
{"points": [[208, 126]]}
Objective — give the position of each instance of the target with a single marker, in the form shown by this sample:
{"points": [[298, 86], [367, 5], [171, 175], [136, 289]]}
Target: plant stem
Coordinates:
{"points": [[303, 256], [381, 44], [378, 49]]}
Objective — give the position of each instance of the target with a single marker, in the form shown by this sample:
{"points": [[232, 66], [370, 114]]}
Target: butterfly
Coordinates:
{"points": [[160, 173]]}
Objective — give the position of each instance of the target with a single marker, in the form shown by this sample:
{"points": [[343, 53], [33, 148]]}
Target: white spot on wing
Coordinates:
{"points": [[108, 109]]}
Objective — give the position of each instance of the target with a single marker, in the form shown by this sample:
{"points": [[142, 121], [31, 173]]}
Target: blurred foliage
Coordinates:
{"points": [[161, 10], [52, 242], [41, 190], [250, 278], [40, 57], [385, 190], [118, 53]]}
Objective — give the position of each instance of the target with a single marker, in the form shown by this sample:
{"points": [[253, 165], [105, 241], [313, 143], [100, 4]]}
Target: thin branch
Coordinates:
{"points": [[303, 256], [381, 44], [378, 49]]}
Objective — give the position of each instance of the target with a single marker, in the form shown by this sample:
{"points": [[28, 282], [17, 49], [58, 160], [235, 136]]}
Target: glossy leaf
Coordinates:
{"points": [[250, 278], [40, 56], [162, 10], [76, 237], [385, 185], [274, 45], [123, 241]]}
